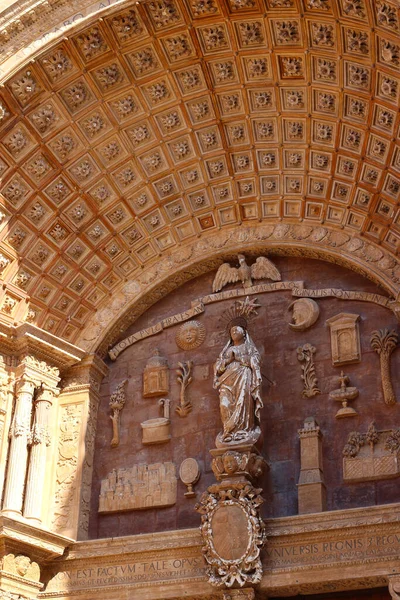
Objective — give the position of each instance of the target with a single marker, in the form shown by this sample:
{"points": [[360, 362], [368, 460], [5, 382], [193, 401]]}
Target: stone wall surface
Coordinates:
{"points": [[284, 412]]}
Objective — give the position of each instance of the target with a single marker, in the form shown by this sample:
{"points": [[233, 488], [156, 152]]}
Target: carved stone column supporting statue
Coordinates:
{"points": [[18, 457], [231, 525], [39, 441]]}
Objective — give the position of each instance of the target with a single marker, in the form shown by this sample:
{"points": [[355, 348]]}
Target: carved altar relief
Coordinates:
{"points": [[345, 339], [142, 486], [372, 455], [156, 376]]}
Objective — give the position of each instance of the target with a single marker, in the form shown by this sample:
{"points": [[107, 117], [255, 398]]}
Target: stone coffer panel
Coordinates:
{"points": [[285, 408]]}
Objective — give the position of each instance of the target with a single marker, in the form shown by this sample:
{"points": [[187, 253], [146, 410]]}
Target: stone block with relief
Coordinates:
{"points": [[311, 487], [141, 486], [371, 455], [156, 376]]}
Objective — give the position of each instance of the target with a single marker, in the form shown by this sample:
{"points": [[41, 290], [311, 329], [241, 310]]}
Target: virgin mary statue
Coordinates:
{"points": [[237, 377]]}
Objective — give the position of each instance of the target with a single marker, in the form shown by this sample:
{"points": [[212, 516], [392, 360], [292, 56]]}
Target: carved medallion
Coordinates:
{"points": [[190, 335], [234, 558]]}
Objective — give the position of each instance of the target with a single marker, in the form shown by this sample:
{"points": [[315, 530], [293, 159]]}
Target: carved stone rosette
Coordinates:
{"points": [[234, 534]]}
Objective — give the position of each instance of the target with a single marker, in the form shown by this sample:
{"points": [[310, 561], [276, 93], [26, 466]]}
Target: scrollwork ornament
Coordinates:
{"points": [[234, 560]]}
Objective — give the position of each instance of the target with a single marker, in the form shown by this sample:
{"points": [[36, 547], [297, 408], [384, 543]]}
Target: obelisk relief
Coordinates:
{"points": [[231, 524]]}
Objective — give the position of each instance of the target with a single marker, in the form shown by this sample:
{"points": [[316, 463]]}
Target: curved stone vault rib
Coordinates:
{"points": [[171, 120]]}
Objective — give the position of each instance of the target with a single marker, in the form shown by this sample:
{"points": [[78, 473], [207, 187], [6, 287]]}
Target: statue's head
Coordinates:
{"points": [[230, 462], [22, 564], [237, 333]]}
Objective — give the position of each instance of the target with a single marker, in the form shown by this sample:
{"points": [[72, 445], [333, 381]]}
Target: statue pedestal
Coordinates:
{"points": [[231, 525]]}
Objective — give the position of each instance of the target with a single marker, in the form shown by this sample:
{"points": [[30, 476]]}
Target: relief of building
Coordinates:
{"points": [[199, 299]]}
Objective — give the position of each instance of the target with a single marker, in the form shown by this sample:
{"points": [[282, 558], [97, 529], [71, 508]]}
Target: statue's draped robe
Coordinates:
{"points": [[239, 384]]}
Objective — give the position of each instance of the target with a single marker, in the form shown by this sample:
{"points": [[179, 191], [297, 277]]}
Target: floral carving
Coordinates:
{"points": [[44, 118], [184, 378], [178, 47], [57, 65], [292, 66], [76, 95], [323, 35], [354, 8], [358, 76], [251, 33], [127, 25], [287, 32], [326, 69], [125, 106], [214, 37], [164, 12], [357, 41], [17, 141], [390, 52], [25, 87], [110, 75], [91, 43], [144, 60], [305, 355], [386, 15], [117, 403], [203, 7], [158, 91], [257, 67]]}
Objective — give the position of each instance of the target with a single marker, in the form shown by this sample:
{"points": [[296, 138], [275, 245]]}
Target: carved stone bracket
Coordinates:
{"points": [[234, 534], [246, 464]]}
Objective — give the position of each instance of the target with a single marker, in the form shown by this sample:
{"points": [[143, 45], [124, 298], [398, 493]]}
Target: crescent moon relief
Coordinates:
{"points": [[304, 315]]}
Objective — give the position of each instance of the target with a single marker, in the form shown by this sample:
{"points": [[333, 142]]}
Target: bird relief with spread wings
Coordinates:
{"points": [[263, 268]]}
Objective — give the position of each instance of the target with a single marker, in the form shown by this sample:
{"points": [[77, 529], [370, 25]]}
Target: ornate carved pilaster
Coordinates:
{"points": [[18, 458], [39, 441], [6, 404], [77, 418]]}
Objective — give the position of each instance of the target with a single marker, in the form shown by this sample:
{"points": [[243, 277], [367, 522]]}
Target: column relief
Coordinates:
{"points": [[77, 418]]}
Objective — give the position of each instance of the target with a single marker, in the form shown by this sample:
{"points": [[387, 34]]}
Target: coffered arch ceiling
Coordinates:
{"points": [[170, 120]]}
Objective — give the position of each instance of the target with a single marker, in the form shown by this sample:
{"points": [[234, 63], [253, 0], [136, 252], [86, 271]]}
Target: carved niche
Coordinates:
{"points": [[156, 376], [345, 339], [371, 455], [141, 486]]}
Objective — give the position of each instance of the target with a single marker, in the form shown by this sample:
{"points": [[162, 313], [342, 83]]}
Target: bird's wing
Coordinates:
{"points": [[264, 269], [225, 274]]}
